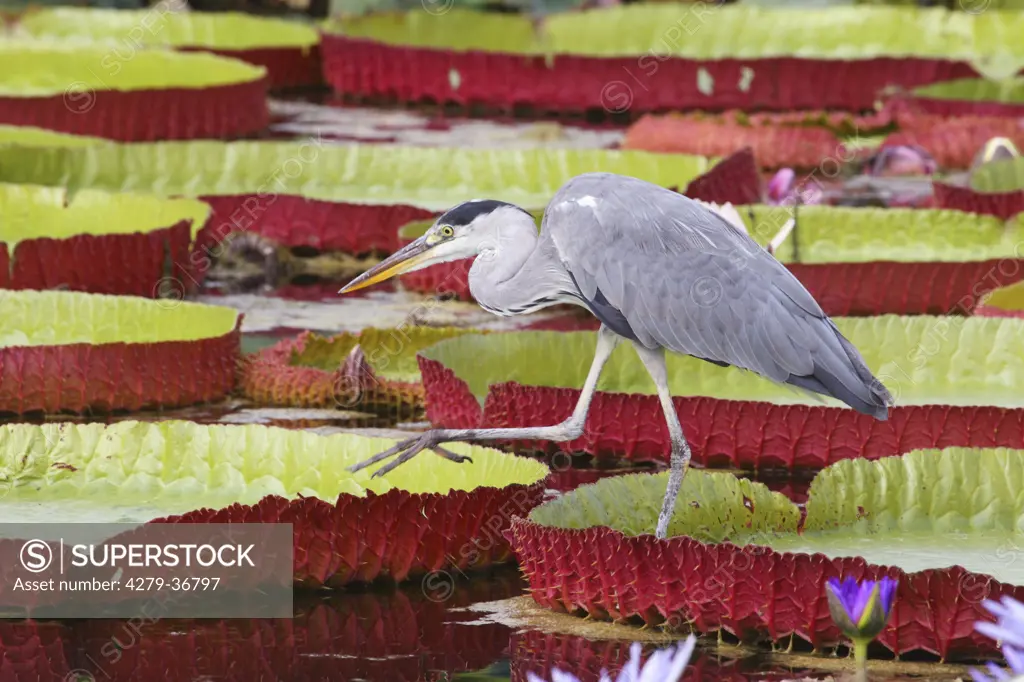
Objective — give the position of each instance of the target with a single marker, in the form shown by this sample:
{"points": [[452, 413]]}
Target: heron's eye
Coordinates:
{"points": [[447, 231]]}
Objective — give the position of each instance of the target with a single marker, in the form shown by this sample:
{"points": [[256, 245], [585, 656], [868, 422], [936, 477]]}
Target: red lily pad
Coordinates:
{"points": [[374, 370], [428, 515], [995, 188], [74, 352], [945, 395], [624, 59], [288, 50], [88, 89], [95, 242], [740, 559]]}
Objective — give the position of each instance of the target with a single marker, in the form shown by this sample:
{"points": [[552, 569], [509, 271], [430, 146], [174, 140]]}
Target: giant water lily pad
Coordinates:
{"points": [[1003, 302], [28, 136], [972, 96], [855, 261], [374, 370], [739, 559], [76, 352], [287, 49], [146, 95], [422, 517], [656, 56], [995, 188], [946, 391], [94, 241], [313, 193]]}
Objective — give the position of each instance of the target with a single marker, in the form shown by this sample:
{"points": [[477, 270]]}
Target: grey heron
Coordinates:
{"points": [[656, 268]]}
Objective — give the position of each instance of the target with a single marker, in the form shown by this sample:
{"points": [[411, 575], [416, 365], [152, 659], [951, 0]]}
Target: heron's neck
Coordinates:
{"points": [[505, 249]]}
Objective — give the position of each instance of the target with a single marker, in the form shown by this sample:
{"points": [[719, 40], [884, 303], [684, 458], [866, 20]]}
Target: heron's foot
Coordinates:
{"points": [[406, 450]]}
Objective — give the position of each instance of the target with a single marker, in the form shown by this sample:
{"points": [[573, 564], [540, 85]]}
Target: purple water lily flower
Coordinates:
{"points": [[784, 190], [861, 610], [1009, 632], [664, 665], [901, 160]]}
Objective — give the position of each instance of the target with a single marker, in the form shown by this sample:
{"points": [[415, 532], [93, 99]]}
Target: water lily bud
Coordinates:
{"points": [[861, 610]]}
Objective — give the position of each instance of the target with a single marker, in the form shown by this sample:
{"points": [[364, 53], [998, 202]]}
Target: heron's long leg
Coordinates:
{"points": [[654, 361], [570, 429]]}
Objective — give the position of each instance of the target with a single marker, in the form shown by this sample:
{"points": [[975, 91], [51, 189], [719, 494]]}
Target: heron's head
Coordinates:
{"points": [[463, 232]]}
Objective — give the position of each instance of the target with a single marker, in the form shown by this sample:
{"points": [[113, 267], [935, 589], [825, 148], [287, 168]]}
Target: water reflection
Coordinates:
{"points": [[384, 634]]}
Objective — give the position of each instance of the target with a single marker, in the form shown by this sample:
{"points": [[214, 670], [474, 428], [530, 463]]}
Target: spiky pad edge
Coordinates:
{"points": [[752, 592], [287, 67], [774, 147], [118, 264], [747, 434], [84, 377], [396, 535], [1004, 205], [269, 378], [148, 115], [355, 66], [293, 220], [842, 289], [365, 636]]}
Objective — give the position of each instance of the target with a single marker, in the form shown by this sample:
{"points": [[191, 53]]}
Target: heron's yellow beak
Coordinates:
{"points": [[401, 261]]}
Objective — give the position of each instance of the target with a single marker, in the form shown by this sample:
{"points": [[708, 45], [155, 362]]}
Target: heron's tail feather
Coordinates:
{"points": [[840, 372]]}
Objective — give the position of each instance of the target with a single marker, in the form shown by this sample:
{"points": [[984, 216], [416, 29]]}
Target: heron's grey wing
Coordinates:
{"points": [[678, 275]]}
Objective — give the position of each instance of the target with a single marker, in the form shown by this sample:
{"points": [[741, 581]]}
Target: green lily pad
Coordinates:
{"points": [[58, 318], [923, 360], [137, 471], [128, 28], [896, 511], [44, 69], [34, 212], [41, 137], [734, 31], [1010, 91], [999, 177], [432, 178], [390, 353], [1009, 299]]}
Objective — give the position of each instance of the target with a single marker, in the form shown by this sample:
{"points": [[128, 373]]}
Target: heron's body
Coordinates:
{"points": [[657, 269], [662, 270]]}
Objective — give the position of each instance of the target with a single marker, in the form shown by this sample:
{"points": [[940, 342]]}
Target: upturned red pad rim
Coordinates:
{"points": [[570, 83], [148, 115], [396, 536], [121, 375], [753, 592], [1003, 205], [749, 433]]}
